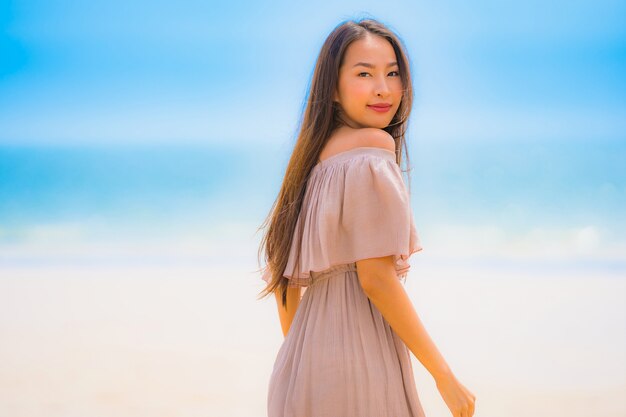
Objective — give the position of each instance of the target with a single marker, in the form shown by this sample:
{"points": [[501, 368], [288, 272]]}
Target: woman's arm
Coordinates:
{"points": [[286, 314], [381, 285]]}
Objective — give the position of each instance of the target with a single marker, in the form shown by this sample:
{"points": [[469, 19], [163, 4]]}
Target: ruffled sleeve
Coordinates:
{"points": [[355, 207], [376, 218]]}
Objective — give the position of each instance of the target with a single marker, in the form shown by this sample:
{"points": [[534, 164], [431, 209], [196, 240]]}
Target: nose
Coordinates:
{"points": [[381, 89]]}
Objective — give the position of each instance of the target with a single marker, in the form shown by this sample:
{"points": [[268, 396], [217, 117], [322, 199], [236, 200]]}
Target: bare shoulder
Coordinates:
{"points": [[346, 138], [374, 137]]}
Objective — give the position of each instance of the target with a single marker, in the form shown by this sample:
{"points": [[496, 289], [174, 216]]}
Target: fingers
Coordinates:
{"points": [[471, 404], [468, 409], [463, 411]]}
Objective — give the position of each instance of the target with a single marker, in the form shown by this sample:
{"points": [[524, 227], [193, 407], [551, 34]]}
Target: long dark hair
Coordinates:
{"points": [[320, 118]]}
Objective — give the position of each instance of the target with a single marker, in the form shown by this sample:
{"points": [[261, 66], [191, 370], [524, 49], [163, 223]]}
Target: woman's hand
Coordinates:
{"points": [[459, 399]]}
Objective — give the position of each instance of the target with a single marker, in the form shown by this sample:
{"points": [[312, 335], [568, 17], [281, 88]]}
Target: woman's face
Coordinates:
{"points": [[369, 89]]}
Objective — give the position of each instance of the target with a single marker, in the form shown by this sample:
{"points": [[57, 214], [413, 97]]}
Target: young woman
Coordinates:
{"points": [[342, 229]]}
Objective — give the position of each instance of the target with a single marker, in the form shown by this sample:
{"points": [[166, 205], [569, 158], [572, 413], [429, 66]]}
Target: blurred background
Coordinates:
{"points": [[142, 145]]}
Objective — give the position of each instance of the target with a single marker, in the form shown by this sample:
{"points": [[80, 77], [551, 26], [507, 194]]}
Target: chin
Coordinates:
{"points": [[379, 125]]}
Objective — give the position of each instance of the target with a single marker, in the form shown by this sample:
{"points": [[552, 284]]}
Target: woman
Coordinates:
{"points": [[342, 228]]}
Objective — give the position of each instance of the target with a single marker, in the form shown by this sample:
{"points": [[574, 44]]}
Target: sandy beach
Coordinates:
{"points": [[194, 341]]}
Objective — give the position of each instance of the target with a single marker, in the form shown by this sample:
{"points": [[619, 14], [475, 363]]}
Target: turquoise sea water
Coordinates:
{"points": [[91, 194]]}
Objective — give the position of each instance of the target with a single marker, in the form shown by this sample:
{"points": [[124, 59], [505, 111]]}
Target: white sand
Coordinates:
{"points": [[195, 341]]}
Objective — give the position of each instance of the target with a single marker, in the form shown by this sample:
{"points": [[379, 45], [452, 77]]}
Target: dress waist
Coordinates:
{"points": [[333, 270]]}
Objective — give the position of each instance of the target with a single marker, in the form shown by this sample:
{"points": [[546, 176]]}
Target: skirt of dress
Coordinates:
{"points": [[340, 357]]}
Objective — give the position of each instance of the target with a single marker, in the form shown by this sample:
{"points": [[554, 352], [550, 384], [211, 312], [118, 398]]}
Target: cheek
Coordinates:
{"points": [[355, 90], [396, 87]]}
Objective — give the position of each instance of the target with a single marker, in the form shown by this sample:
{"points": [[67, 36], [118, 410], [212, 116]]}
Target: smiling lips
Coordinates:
{"points": [[380, 107]]}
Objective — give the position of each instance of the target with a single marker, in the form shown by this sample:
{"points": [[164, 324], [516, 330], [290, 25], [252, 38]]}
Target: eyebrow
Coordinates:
{"points": [[368, 65]]}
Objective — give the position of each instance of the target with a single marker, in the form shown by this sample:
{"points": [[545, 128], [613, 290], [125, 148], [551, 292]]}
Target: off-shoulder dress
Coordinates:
{"points": [[340, 357]]}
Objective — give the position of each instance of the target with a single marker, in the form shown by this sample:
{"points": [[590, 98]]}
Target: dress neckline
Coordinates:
{"points": [[342, 156]]}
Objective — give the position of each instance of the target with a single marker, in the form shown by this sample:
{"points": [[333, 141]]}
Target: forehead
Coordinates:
{"points": [[371, 48]]}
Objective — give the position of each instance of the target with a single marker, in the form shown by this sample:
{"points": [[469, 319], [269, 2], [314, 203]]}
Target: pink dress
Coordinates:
{"points": [[340, 357]]}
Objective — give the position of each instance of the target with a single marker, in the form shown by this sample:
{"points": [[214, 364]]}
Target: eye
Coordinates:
{"points": [[361, 73], [394, 72]]}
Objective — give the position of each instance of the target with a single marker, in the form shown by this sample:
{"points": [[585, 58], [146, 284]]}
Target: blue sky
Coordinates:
{"points": [[190, 71]]}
